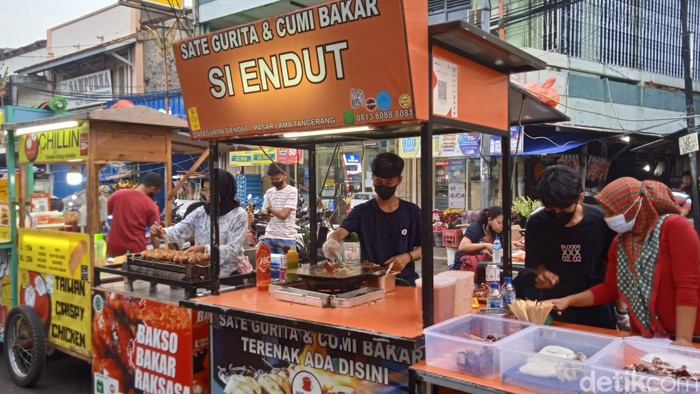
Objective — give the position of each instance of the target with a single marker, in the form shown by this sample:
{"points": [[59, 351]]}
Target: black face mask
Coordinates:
{"points": [[278, 184], [384, 192], [561, 218]]}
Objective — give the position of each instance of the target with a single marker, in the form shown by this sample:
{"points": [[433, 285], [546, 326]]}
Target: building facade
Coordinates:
{"points": [[113, 52]]}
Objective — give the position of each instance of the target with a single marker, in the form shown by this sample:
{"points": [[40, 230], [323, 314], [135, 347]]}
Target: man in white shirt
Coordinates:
{"points": [[281, 204]]}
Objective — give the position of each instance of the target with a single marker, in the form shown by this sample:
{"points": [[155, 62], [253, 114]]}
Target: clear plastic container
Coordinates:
{"points": [[464, 290], [443, 297], [607, 368], [453, 344], [523, 366]]}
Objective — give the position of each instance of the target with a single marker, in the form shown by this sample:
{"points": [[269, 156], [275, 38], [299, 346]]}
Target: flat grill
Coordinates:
{"points": [[317, 278], [183, 275]]}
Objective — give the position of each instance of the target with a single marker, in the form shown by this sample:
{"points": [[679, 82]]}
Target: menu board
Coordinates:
{"points": [[54, 279]]}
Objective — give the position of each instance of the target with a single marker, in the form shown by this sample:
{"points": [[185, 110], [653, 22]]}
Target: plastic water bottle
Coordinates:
{"points": [[507, 290], [495, 299], [497, 250]]}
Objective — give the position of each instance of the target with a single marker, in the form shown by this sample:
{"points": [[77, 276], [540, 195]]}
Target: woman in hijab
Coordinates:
{"points": [[653, 263], [233, 225]]}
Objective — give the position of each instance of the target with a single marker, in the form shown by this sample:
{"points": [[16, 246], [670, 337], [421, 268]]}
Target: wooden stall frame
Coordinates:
{"points": [[133, 134]]}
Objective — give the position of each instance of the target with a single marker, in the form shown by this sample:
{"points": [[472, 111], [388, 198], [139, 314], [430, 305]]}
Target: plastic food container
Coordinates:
{"points": [[523, 366], [608, 366], [443, 297], [464, 290], [453, 344]]}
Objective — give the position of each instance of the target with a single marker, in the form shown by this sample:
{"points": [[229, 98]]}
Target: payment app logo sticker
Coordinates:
{"points": [[383, 100], [349, 117], [357, 98], [405, 101], [371, 104]]}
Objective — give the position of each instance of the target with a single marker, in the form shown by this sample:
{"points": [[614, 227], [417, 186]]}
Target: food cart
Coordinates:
{"points": [[330, 74], [58, 300]]}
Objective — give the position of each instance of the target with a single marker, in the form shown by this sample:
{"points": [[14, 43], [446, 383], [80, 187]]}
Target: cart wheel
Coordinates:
{"points": [[25, 346]]}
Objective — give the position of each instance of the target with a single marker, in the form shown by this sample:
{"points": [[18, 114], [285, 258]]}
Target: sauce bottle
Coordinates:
{"points": [[262, 267], [292, 264]]}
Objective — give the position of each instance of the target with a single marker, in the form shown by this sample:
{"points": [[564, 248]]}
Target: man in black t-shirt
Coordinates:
{"points": [[567, 244], [389, 228]]}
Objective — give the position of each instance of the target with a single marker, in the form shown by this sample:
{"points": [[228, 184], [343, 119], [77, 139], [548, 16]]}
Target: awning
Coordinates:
{"points": [[108, 47], [556, 143], [483, 48], [526, 109]]}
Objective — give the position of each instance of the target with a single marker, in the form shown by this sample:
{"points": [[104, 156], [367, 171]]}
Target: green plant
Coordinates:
{"points": [[353, 237], [524, 206]]}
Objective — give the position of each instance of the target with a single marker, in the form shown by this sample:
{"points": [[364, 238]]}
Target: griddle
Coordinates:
{"points": [[319, 279]]}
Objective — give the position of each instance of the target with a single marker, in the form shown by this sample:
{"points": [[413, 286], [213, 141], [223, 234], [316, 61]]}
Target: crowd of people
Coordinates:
{"points": [[630, 261]]}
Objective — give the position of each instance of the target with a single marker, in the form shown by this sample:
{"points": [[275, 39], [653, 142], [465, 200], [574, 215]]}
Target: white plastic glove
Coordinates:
{"points": [[331, 248]]}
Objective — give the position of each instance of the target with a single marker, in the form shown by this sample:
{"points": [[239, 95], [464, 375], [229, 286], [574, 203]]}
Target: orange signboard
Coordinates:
{"points": [[337, 64], [467, 91]]}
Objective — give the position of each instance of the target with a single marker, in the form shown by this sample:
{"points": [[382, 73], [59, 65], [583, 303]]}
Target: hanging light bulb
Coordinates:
{"points": [[647, 167], [74, 176]]}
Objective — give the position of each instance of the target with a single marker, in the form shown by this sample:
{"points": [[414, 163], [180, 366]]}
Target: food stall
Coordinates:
{"points": [[309, 69], [63, 301]]}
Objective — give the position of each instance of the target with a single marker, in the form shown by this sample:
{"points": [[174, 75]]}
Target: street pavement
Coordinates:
{"points": [[63, 374]]}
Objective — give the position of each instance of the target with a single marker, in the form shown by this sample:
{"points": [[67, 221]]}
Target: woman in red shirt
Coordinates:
{"points": [[653, 263]]}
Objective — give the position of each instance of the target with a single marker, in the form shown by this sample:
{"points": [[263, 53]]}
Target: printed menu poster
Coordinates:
{"points": [[444, 88], [289, 359], [54, 279]]}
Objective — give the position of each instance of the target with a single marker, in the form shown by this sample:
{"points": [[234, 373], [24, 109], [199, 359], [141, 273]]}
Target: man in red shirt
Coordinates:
{"points": [[132, 211]]}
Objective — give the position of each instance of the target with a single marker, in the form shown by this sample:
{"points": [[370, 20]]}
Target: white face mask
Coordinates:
{"points": [[618, 223]]}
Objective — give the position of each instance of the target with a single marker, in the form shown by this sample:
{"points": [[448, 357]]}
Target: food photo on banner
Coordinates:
{"points": [[143, 346], [54, 280], [251, 356]]}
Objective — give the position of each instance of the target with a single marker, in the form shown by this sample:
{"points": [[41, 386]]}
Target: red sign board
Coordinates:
{"points": [[141, 345]]}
